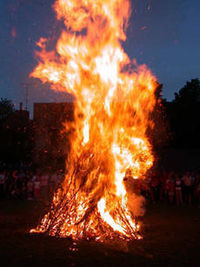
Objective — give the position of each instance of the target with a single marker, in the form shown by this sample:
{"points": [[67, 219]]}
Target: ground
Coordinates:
{"points": [[171, 238]]}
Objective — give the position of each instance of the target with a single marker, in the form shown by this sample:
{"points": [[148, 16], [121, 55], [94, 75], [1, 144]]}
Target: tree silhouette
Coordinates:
{"points": [[189, 94], [6, 108], [183, 114]]}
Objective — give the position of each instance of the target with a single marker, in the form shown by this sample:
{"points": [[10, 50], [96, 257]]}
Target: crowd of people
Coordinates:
{"points": [[170, 187], [28, 185]]}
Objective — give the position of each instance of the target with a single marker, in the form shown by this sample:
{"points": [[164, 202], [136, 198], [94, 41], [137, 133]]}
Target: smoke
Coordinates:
{"points": [[136, 204]]}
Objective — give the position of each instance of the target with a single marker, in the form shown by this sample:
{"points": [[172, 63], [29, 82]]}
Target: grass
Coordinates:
{"points": [[171, 238]]}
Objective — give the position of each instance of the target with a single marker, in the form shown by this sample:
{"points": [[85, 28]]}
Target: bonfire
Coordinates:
{"points": [[113, 102]]}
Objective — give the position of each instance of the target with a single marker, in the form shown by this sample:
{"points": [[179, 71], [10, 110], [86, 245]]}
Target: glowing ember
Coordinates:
{"points": [[112, 109]]}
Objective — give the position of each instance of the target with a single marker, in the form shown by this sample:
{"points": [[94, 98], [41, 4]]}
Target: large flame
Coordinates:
{"points": [[112, 108]]}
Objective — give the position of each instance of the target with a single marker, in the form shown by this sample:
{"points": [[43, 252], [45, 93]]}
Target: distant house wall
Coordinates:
{"points": [[51, 143], [15, 138]]}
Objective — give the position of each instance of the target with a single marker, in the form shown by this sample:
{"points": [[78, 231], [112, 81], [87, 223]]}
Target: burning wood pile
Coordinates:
{"points": [[112, 108]]}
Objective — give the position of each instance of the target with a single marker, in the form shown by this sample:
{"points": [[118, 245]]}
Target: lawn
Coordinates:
{"points": [[171, 238]]}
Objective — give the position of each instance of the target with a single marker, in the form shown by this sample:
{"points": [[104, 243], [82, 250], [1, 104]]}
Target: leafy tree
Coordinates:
{"points": [[6, 108], [189, 94], [183, 114]]}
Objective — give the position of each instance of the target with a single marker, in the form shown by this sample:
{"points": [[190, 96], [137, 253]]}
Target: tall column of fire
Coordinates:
{"points": [[112, 108]]}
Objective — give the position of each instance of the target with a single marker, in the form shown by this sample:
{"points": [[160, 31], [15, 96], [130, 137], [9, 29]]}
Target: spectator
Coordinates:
{"points": [[170, 186], [187, 181], [178, 188]]}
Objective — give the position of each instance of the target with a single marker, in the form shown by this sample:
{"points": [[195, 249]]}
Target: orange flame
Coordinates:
{"points": [[110, 136]]}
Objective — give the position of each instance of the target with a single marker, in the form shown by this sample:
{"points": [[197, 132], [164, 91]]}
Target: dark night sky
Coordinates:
{"points": [[163, 34]]}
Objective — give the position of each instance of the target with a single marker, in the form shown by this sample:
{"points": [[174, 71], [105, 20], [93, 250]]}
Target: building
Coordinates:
{"points": [[16, 137], [51, 140]]}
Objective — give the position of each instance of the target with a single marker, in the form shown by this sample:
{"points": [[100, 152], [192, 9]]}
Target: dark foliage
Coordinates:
{"points": [[183, 116], [6, 108], [189, 94]]}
